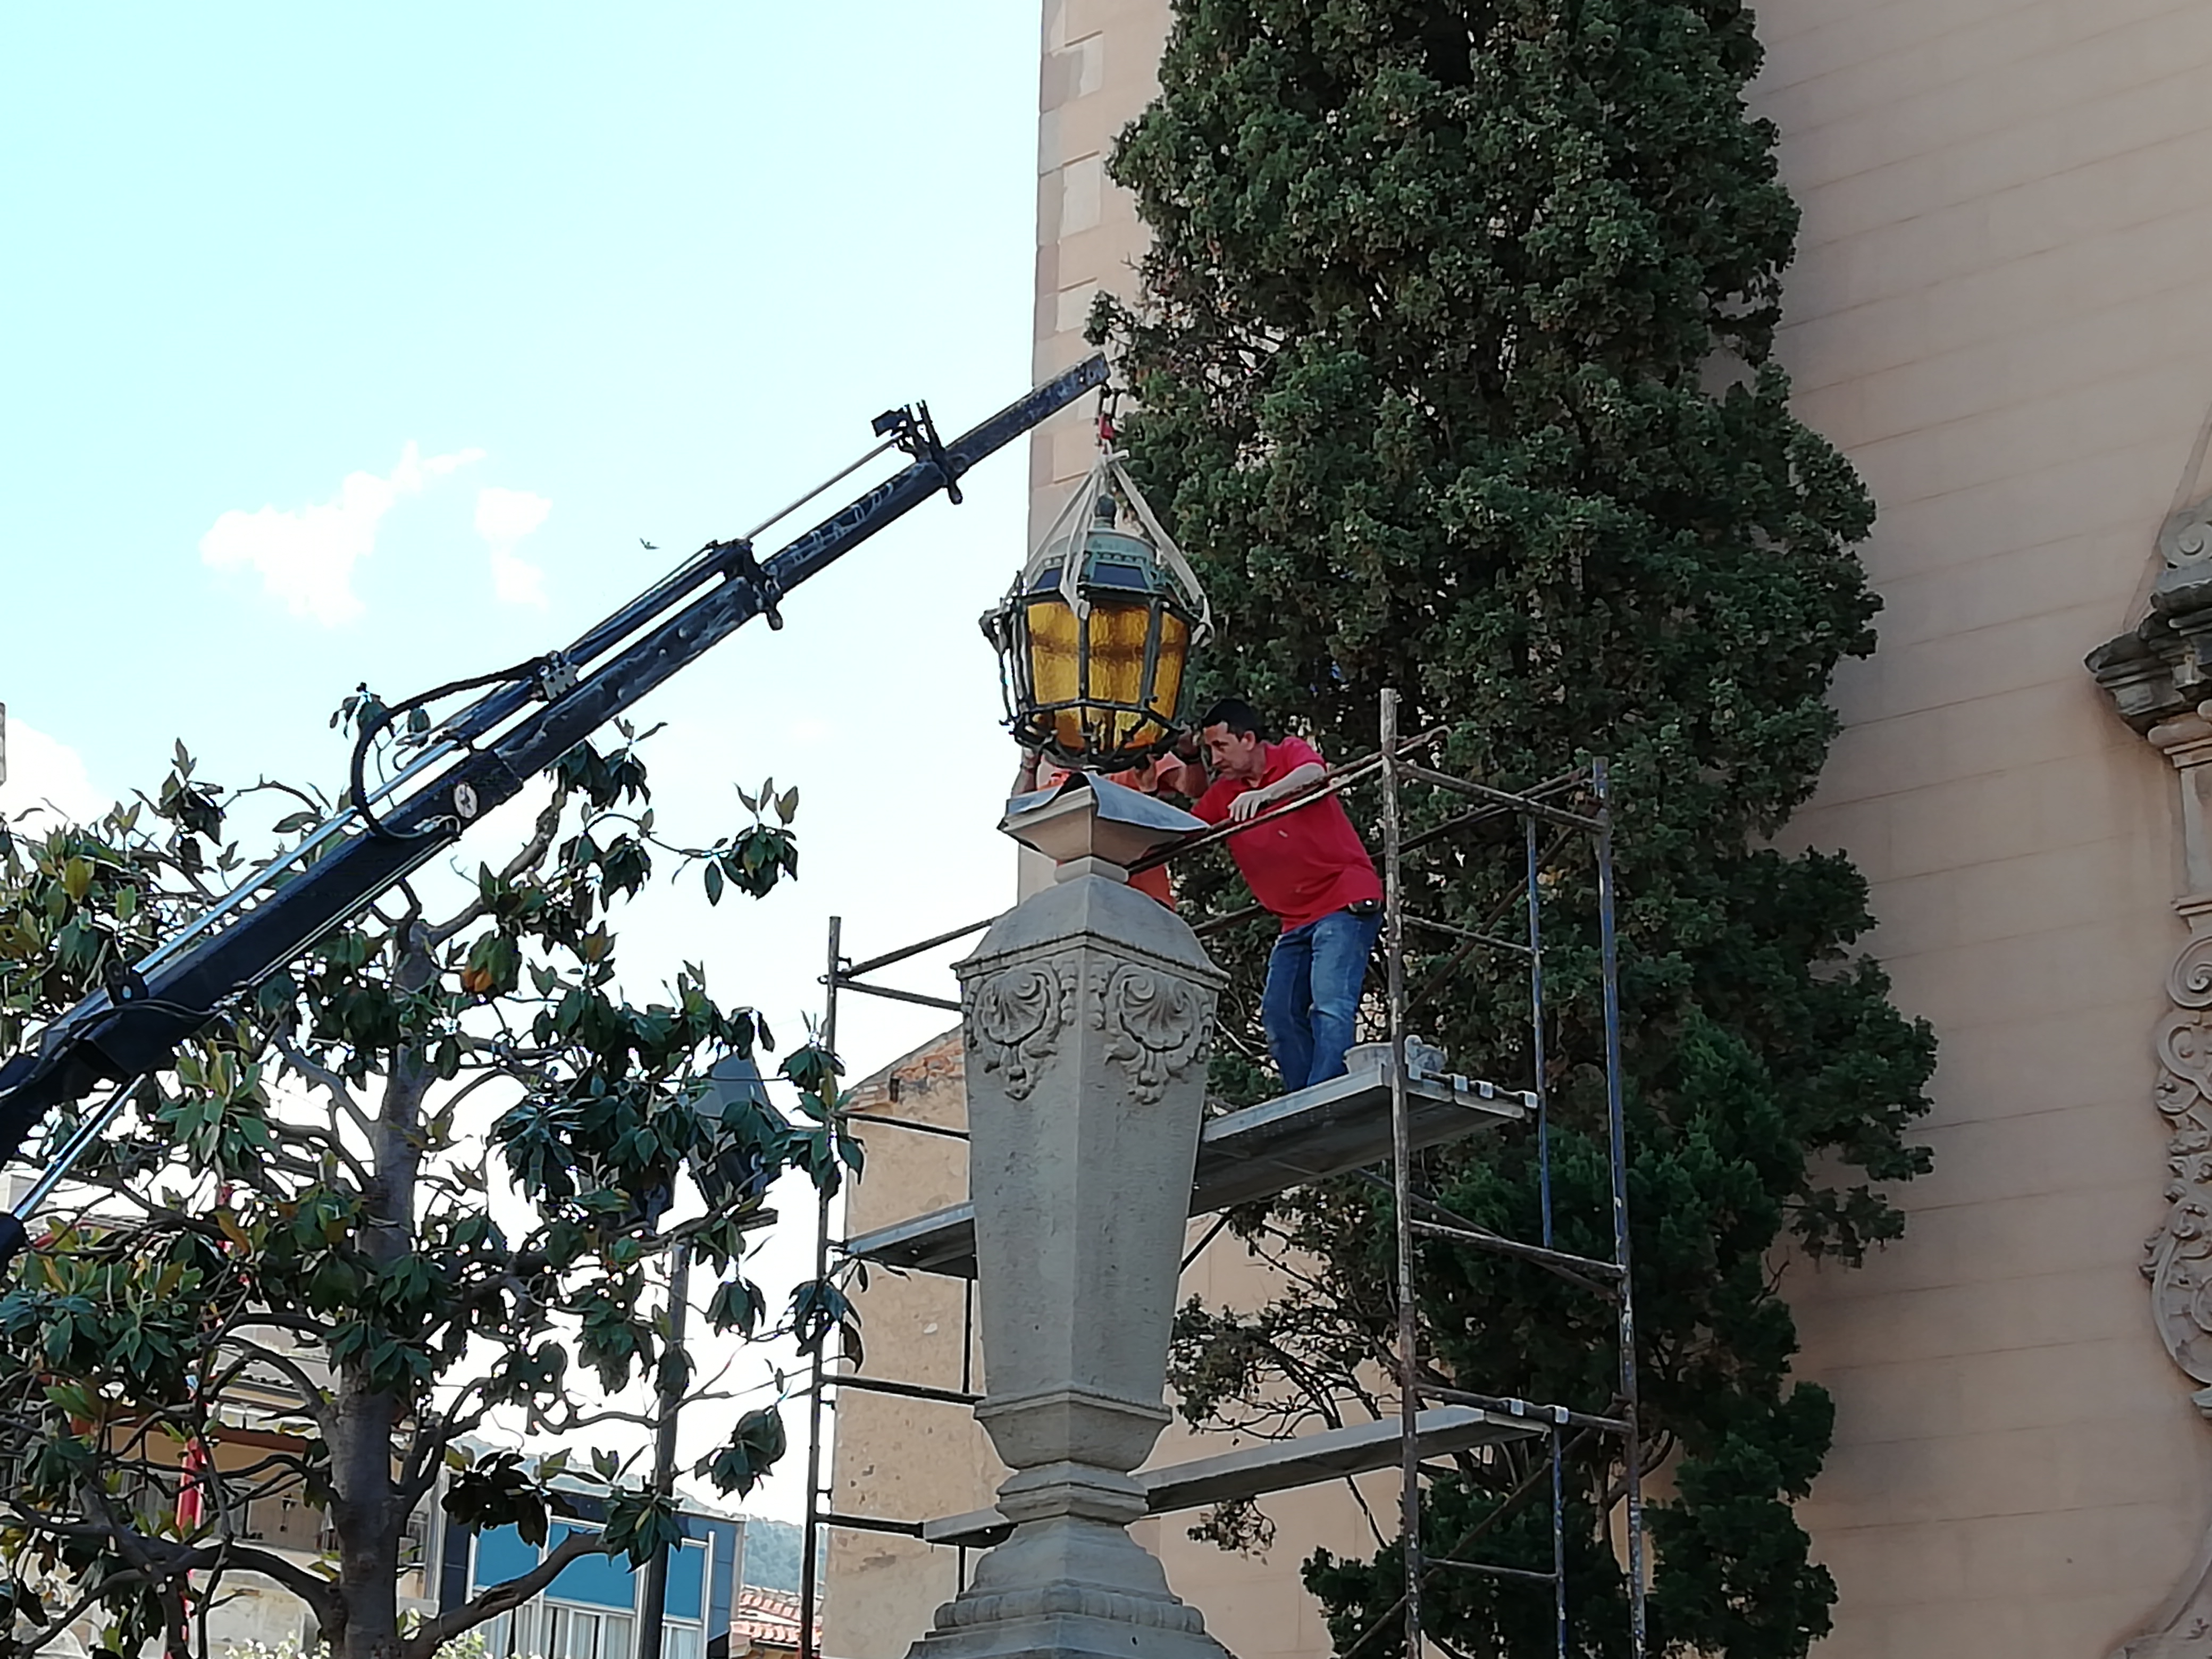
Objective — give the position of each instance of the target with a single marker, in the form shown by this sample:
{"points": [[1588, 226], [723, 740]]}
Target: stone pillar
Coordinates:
{"points": [[1087, 1011]]}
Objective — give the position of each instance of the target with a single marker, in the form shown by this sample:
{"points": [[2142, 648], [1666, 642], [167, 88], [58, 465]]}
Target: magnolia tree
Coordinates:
{"points": [[423, 1175]]}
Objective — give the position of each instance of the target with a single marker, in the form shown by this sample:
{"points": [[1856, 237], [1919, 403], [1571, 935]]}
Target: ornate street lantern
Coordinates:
{"points": [[1094, 638]]}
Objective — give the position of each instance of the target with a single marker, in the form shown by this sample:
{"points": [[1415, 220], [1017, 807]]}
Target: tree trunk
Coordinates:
{"points": [[368, 1514]]}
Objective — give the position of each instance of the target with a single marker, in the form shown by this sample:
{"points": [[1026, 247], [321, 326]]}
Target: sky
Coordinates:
{"points": [[371, 344]]}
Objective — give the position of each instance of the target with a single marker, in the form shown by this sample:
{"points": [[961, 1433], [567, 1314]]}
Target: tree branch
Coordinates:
{"points": [[488, 1604], [321, 1075], [314, 1395], [540, 843], [420, 1471]]}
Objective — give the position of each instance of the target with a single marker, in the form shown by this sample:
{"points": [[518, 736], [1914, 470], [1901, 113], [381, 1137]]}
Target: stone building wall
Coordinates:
{"points": [[1999, 312], [905, 1459]]}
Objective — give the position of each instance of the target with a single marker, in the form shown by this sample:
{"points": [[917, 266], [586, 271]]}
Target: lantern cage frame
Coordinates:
{"points": [[1064, 550]]}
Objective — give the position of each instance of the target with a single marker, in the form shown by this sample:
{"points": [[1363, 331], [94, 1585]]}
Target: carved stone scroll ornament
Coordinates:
{"points": [[2156, 676], [2178, 1259], [1155, 1023], [1014, 1020]]}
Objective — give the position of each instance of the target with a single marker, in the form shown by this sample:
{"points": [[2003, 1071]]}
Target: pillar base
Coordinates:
{"points": [[1068, 1587]]}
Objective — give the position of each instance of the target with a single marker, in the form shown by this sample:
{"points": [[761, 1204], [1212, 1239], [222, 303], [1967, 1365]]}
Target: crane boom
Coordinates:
{"points": [[496, 746]]}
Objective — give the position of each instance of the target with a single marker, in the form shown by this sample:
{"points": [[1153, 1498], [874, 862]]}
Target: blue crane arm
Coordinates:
{"points": [[497, 744]]}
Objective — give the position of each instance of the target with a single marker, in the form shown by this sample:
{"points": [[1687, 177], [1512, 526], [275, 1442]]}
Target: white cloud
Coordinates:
{"points": [[42, 771], [504, 517], [306, 557]]}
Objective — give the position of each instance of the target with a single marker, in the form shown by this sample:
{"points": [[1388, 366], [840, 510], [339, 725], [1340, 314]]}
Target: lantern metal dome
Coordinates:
{"points": [[1094, 638]]}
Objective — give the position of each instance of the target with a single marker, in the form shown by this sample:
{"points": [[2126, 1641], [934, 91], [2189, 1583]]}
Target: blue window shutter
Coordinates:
{"points": [[502, 1555], [687, 1573], [593, 1581]]}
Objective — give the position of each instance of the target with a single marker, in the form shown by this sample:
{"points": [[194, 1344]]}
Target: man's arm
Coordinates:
{"points": [[1253, 802], [1179, 769], [1184, 777], [1032, 769]]}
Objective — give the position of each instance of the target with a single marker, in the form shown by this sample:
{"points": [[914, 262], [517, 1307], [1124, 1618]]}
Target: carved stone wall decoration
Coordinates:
{"points": [[2177, 1258], [2147, 674], [1155, 1024], [2162, 669], [2185, 537], [1014, 1020]]}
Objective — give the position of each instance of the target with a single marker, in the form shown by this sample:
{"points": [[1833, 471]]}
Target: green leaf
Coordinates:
{"points": [[737, 1304], [754, 1448]]}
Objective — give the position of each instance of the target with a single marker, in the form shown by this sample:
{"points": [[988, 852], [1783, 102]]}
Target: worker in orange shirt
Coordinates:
{"points": [[1038, 774]]}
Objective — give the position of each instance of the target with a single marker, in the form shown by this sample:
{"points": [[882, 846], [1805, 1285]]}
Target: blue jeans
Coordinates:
{"points": [[1314, 977]]}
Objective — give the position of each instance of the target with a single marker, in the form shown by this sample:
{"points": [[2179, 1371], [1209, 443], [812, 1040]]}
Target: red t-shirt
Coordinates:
{"points": [[1305, 864]]}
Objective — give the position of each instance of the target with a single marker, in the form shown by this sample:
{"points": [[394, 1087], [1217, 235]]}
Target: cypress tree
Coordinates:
{"points": [[1455, 373]]}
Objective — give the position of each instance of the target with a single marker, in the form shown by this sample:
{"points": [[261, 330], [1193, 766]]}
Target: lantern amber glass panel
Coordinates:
{"points": [[1097, 684]]}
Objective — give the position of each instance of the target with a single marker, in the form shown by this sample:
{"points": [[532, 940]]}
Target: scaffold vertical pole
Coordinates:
{"points": [[1401, 1168], [967, 1385], [1539, 1085], [809, 1548], [1617, 1128], [1537, 1082]]}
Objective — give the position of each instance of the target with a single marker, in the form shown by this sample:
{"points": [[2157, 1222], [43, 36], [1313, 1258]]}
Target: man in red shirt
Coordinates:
{"points": [[1308, 867]]}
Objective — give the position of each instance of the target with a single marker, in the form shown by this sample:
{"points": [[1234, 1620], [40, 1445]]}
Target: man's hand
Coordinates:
{"points": [[1253, 802], [1250, 805], [1179, 772]]}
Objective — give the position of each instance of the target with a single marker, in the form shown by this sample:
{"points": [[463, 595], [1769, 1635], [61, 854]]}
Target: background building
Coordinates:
{"points": [[590, 1610], [766, 1622], [260, 1415], [2001, 313]]}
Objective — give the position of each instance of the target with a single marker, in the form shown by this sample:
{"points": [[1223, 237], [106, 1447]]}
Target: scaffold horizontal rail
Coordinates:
{"points": [[1468, 933], [1274, 1465], [862, 1384], [891, 994], [1583, 1264], [846, 974], [1526, 1411], [1307, 1135], [1494, 1570], [868, 1524], [1512, 803], [942, 1130]]}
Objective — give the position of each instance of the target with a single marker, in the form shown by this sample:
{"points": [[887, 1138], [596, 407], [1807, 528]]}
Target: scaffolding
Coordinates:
{"points": [[1373, 1125]]}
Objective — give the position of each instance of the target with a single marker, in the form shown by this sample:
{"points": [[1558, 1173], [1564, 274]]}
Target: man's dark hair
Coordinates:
{"points": [[1239, 716]]}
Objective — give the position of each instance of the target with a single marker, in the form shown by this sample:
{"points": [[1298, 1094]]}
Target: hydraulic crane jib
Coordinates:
{"points": [[469, 763]]}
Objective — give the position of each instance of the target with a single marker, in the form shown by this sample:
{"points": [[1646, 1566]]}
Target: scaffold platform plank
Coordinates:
{"points": [[1255, 1153], [1272, 1466]]}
